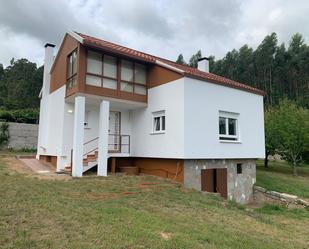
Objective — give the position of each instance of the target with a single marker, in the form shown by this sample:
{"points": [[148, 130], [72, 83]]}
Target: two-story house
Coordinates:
{"points": [[110, 106]]}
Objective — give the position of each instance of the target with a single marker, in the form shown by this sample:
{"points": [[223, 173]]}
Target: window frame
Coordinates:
{"points": [[227, 137], [162, 120], [102, 76], [133, 82], [70, 78], [118, 74]]}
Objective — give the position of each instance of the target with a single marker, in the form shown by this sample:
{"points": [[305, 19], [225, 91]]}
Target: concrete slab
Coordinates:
{"points": [[38, 166]]}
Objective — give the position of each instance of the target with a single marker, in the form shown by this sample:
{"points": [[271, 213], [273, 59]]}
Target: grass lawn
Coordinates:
{"points": [[135, 212], [279, 178]]}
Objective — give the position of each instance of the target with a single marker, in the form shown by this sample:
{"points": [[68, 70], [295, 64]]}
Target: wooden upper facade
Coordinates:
{"points": [[90, 70]]}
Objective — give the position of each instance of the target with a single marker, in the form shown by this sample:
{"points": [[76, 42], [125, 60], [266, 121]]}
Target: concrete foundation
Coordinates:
{"points": [[239, 186]]}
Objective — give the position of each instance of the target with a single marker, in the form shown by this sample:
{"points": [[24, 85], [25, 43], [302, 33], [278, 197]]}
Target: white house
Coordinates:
{"points": [[116, 108]]}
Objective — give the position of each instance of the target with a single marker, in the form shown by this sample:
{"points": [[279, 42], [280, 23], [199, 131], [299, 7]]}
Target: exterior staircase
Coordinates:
{"points": [[89, 161], [117, 144]]}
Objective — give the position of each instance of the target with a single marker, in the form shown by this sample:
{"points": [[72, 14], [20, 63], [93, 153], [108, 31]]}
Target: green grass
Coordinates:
{"points": [[279, 178], [14, 152], [135, 212]]}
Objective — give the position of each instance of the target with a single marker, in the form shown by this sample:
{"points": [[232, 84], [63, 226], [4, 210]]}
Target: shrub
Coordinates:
{"points": [[30, 116], [4, 134]]}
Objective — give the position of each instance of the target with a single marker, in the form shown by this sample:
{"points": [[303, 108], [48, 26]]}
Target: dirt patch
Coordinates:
{"points": [[165, 235], [19, 166]]}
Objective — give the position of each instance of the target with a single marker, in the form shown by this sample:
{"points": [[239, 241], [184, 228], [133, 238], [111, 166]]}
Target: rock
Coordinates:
{"points": [[288, 196], [261, 189], [303, 202], [275, 193]]}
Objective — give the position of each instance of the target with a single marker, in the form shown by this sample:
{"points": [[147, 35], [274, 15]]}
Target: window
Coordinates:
{"points": [[158, 122], [239, 168], [133, 77], [109, 72], [228, 126], [71, 69], [101, 70]]}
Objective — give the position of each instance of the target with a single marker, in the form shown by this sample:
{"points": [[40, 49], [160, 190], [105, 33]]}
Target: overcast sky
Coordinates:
{"points": [[163, 28]]}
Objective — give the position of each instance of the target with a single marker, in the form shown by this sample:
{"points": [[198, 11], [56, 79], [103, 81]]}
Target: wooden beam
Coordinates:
{"points": [[114, 165]]}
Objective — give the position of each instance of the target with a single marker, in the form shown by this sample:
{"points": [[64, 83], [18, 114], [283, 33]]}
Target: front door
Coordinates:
{"points": [[114, 132]]}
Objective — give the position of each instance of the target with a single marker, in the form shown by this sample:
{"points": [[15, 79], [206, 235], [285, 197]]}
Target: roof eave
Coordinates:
{"points": [[114, 51], [254, 91]]}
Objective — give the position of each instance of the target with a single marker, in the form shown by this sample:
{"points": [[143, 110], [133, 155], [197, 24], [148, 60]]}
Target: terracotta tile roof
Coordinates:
{"points": [[187, 71]]}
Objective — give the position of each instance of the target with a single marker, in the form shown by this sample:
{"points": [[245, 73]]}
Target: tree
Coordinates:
{"points": [[292, 132], [194, 59], [180, 60], [1, 71], [20, 85], [271, 134], [281, 72]]}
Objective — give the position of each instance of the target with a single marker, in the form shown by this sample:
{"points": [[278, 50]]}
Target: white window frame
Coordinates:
{"points": [[160, 115], [226, 137]]}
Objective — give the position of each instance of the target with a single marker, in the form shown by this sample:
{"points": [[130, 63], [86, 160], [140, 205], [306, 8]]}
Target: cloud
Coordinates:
{"points": [[161, 27]]}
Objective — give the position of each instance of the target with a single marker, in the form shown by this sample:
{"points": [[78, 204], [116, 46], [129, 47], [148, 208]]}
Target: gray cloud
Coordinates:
{"points": [[161, 27]]}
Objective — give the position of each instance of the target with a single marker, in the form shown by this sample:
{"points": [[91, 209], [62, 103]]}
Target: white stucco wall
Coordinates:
{"points": [[203, 101], [52, 124], [170, 98]]}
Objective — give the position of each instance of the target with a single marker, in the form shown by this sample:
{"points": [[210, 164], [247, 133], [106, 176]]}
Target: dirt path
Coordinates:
{"points": [[33, 167]]}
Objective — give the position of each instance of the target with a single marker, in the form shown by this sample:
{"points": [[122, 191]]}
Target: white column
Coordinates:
{"points": [[78, 136], [103, 138]]}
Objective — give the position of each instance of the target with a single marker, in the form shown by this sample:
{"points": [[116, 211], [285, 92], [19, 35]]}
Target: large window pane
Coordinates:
{"points": [[126, 70], [108, 83], [94, 63], [232, 126], [140, 89], [163, 123], [110, 66], [93, 80], [140, 73], [126, 87], [222, 128], [156, 124], [69, 66], [74, 62]]}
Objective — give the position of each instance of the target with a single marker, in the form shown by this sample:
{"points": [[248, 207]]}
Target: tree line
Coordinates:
{"points": [[281, 70]]}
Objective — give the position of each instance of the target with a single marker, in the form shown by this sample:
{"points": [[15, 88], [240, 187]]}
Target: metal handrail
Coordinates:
{"points": [[91, 140], [120, 144]]}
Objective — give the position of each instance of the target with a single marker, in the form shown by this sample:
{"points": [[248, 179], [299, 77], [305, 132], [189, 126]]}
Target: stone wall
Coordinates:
{"points": [[239, 186], [286, 199], [23, 136]]}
